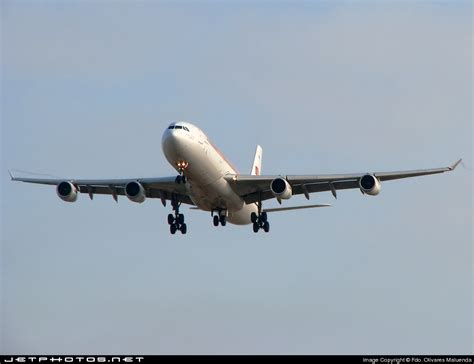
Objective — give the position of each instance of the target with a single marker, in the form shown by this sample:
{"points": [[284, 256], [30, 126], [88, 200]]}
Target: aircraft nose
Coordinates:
{"points": [[173, 140]]}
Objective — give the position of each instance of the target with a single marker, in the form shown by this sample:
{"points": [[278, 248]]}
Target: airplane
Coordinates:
{"points": [[207, 181]]}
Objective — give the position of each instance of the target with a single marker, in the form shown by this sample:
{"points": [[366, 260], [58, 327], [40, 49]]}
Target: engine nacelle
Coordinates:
{"points": [[369, 185], [281, 189], [135, 192], [67, 191]]}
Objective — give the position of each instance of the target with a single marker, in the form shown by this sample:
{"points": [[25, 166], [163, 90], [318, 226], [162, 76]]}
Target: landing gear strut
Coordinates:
{"points": [[176, 221], [260, 220], [220, 218]]}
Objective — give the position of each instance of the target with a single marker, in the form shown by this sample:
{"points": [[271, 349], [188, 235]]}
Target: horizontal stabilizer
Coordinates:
{"points": [[294, 208]]}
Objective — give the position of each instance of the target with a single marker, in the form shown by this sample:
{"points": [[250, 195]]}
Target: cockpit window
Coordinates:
{"points": [[178, 127]]}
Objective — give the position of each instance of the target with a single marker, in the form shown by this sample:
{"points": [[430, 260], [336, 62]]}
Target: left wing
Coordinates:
{"points": [[164, 188], [257, 188]]}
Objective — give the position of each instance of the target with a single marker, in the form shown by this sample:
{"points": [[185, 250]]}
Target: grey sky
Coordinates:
{"points": [[89, 87]]}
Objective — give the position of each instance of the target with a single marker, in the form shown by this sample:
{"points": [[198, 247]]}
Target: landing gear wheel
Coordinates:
{"points": [[173, 229], [266, 226], [216, 220], [170, 219], [183, 229], [223, 220], [256, 227], [180, 219], [264, 217], [180, 179], [253, 217]]}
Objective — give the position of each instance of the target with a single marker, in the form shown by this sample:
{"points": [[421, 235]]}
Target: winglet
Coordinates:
{"points": [[453, 167], [11, 175]]}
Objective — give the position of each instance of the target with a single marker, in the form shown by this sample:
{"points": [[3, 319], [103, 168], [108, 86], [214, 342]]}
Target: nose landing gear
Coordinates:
{"points": [[181, 166]]}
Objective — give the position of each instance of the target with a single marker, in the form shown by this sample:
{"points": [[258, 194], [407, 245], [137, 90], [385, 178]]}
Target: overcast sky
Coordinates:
{"points": [[325, 87]]}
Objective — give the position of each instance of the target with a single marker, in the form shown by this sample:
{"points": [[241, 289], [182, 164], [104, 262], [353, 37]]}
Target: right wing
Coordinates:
{"points": [[164, 188]]}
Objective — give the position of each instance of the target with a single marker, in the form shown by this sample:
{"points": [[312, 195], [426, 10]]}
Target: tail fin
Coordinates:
{"points": [[257, 162]]}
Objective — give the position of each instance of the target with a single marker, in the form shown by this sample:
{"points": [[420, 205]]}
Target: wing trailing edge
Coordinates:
{"points": [[278, 209]]}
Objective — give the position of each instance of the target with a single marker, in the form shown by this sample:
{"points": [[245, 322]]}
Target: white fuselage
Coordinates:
{"points": [[205, 170]]}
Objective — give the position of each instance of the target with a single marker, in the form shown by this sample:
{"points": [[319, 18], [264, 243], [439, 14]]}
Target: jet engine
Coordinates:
{"points": [[67, 191], [135, 192], [281, 189], [369, 185]]}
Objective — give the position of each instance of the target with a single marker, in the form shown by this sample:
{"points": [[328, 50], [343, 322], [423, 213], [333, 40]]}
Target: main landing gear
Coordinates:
{"points": [[176, 221], [260, 220], [221, 218]]}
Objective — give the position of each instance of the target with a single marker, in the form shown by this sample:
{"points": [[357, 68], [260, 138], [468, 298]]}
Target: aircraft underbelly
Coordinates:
{"points": [[216, 195]]}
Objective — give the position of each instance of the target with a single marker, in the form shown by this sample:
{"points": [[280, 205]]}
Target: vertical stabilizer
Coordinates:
{"points": [[257, 162]]}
